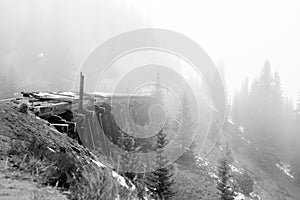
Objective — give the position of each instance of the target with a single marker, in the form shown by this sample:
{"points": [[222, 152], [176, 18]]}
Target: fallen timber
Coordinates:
{"points": [[94, 125]]}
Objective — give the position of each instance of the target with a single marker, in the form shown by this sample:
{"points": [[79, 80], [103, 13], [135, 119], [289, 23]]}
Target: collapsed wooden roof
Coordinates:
{"points": [[51, 103], [52, 106]]}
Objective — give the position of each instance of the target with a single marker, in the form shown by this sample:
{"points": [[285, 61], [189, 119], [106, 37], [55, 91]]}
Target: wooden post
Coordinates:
{"points": [[81, 87]]}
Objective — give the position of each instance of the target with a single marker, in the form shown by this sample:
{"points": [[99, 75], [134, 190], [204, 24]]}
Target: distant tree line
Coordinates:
{"points": [[270, 120]]}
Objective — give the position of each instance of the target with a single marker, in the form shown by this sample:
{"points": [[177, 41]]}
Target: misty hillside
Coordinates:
{"points": [[149, 100], [37, 133]]}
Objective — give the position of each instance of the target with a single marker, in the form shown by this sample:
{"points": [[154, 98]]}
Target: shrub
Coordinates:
{"points": [[94, 184], [245, 183], [226, 191], [192, 186]]}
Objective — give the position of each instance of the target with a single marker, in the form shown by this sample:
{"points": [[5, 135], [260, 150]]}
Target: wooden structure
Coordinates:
{"points": [[88, 117]]}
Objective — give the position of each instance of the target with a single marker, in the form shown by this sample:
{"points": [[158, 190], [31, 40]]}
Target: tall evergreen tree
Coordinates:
{"points": [[289, 120], [160, 182], [277, 110], [130, 163], [292, 134], [184, 125], [277, 98], [226, 191], [245, 183], [265, 109]]}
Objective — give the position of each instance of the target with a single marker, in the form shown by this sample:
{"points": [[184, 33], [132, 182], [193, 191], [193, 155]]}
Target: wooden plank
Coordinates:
{"points": [[51, 109]]}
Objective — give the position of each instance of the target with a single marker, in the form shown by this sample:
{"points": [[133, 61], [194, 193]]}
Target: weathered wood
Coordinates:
{"points": [[81, 89], [93, 125], [47, 110]]}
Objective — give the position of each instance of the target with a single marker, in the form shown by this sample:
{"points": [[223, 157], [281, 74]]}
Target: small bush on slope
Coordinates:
{"points": [[224, 173], [95, 184], [193, 186], [245, 183]]}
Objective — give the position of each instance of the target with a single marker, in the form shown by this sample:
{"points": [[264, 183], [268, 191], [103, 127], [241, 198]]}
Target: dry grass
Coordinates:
{"points": [[29, 147]]}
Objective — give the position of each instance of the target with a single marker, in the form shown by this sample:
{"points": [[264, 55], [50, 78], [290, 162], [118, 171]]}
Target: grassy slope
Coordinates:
{"points": [[31, 146], [272, 185], [17, 186]]}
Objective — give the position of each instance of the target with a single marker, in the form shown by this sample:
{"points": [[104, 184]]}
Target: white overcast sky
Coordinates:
{"points": [[240, 34]]}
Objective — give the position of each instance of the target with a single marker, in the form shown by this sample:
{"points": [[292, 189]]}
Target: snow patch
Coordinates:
{"points": [[285, 168], [235, 169], [239, 196], [241, 129], [243, 138], [230, 121], [99, 164], [50, 149], [121, 180], [202, 161], [255, 196], [213, 175]]}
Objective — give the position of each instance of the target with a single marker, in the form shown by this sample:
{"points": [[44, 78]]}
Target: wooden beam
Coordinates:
{"points": [[81, 89]]}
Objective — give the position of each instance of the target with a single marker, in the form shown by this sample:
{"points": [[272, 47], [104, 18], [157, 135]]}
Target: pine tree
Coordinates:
{"points": [[185, 129], [245, 183], [228, 154], [276, 114], [226, 191], [277, 99], [184, 125], [264, 120], [160, 181], [130, 165]]}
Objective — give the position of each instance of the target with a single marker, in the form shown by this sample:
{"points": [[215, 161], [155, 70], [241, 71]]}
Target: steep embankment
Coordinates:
{"points": [[41, 156]]}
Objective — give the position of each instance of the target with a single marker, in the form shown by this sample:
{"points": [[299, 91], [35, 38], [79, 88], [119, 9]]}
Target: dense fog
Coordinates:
{"points": [[238, 112]]}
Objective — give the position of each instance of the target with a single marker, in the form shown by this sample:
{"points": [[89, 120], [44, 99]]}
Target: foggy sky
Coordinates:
{"points": [[240, 34]]}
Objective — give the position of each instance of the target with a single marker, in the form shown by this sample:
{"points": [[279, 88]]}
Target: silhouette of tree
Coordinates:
{"points": [[160, 182], [184, 125], [265, 109], [226, 191]]}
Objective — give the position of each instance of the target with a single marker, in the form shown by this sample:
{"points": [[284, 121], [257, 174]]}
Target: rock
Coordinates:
{"points": [[23, 107]]}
